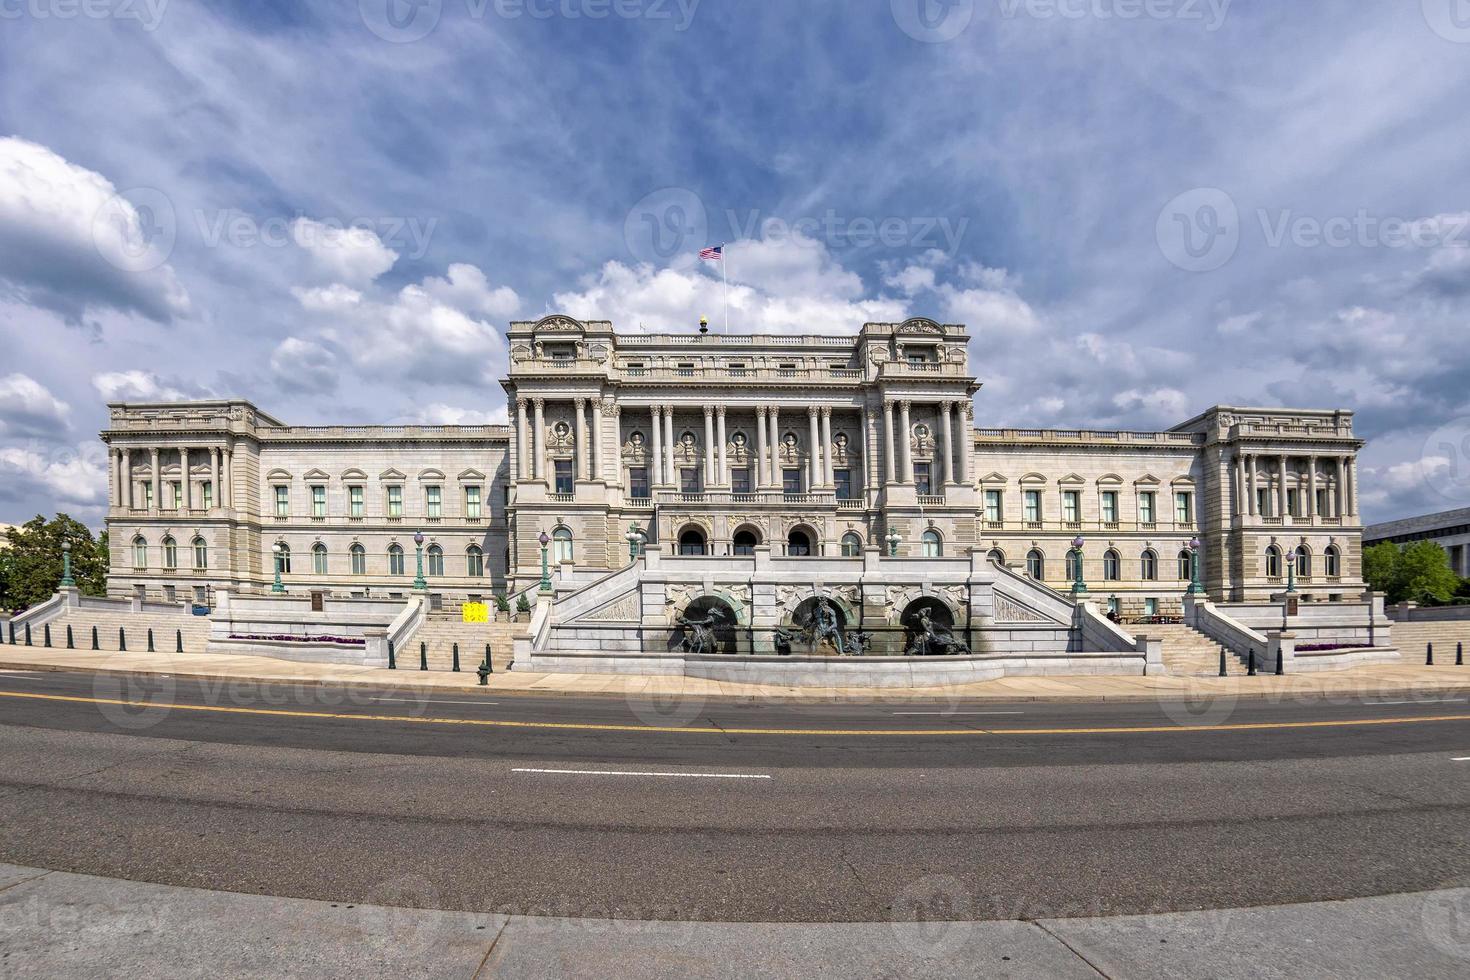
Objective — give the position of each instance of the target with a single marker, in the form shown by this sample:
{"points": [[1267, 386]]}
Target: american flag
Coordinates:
{"points": [[714, 253]]}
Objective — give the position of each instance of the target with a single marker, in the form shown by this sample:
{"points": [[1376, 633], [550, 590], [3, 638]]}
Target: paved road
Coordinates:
{"points": [[722, 811]]}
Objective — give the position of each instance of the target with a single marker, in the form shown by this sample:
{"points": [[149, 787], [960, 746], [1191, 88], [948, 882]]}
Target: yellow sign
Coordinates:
{"points": [[475, 612]]}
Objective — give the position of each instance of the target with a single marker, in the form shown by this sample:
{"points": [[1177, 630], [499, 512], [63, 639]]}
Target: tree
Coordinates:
{"points": [[30, 568], [1419, 572], [1380, 568]]}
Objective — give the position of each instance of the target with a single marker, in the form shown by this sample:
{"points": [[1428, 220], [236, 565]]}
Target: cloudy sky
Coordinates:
{"points": [[334, 208]]}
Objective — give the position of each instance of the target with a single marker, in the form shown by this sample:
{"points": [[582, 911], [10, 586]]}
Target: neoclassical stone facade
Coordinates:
{"points": [[715, 445]]}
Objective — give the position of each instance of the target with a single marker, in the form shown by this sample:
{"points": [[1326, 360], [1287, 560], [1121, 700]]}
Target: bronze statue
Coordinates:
{"points": [[699, 636], [933, 639], [824, 626]]}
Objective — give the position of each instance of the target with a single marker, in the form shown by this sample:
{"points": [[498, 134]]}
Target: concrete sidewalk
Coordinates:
{"points": [[1363, 682], [55, 924]]}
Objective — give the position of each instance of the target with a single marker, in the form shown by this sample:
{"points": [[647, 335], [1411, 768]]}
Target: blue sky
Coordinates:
{"points": [[1141, 209]]}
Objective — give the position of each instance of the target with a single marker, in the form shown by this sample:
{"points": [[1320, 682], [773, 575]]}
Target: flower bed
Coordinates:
{"points": [[345, 641], [1330, 647]]}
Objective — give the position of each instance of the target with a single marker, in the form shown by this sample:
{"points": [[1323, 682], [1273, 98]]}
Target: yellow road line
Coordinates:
{"points": [[689, 730]]}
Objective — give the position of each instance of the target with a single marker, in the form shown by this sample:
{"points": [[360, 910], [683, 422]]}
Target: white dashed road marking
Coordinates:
{"points": [[608, 772]]}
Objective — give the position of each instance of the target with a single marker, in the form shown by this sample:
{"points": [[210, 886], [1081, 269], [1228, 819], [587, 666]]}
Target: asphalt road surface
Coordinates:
{"points": [[771, 811]]}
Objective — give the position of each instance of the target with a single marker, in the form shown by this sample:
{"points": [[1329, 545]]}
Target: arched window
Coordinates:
{"points": [[1186, 566], [318, 559], [395, 559], [852, 546], [1304, 562], [744, 542], [201, 554], [1150, 566], [1036, 565], [283, 559], [170, 553], [931, 545], [798, 544], [436, 560], [691, 542], [359, 559], [561, 545], [1333, 560], [474, 562], [997, 556], [1112, 565], [1273, 562], [1072, 565], [140, 552]]}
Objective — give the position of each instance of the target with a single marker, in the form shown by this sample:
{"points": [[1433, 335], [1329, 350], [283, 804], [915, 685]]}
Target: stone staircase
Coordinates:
{"points": [[165, 627], [1413, 639], [1187, 652], [441, 631]]}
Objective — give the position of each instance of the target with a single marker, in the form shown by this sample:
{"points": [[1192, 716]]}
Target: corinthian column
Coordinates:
{"points": [[967, 442], [157, 481], [762, 457], [776, 481], [827, 479], [523, 437], [709, 447], [722, 466], [584, 457], [905, 436], [184, 476], [669, 473], [538, 436], [944, 428], [598, 443], [814, 456], [890, 466], [656, 472]]}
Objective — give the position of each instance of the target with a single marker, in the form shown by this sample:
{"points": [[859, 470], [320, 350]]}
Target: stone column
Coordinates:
{"points": [[1352, 487], [656, 472], [1250, 490], [1281, 490], [828, 480], [890, 471], [709, 447], [1339, 489], [669, 474], [184, 475], [227, 476], [114, 463], [945, 431], [523, 441], [598, 443], [762, 454], [1237, 484], [583, 450], [538, 440], [814, 452], [613, 468], [157, 482], [905, 436], [1312, 486], [214, 455], [775, 417], [722, 465], [967, 442]]}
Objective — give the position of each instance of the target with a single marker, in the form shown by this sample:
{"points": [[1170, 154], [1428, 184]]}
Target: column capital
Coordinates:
{"points": [[709, 411], [581, 404], [905, 404], [522, 402], [827, 411], [760, 411], [539, 403], [720, 410]]}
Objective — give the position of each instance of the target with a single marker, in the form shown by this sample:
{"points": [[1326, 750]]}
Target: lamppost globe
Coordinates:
{"points": [[1195, 544], [545, 539], [418, 537], [1078, 542], [66, 546]]}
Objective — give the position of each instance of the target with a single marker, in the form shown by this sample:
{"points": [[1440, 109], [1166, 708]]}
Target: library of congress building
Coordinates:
{"points": [[721, 444]]}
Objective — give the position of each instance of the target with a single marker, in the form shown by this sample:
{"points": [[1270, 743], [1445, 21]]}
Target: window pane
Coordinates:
{"points": [[1146, 508], [564, 476], [689, 480], [740, 480], [318, 501], [791, 481], [922, 479], [356, 494], [638, 483], [434, 501], [472, 502], [992, 505], [842, 480], [395, 501]]}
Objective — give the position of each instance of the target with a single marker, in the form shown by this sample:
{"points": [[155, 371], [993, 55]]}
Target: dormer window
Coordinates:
{"points": [[921, 355], [560, 352]]}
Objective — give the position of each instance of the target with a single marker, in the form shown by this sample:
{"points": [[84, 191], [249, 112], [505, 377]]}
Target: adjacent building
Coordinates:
{"points": [[1449, 529], [717, 444]]}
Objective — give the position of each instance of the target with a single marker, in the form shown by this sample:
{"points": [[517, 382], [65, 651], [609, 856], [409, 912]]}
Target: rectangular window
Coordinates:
{"points": [[922, 479], [638, 482], [1147, 512], [1294, 502], [842, 481], [1263, 502], [1033, 506], [354, 495], [689, 480], [147, 496], [564, 476], [318, 501], [434, 501], [207, 490], [791, 481], [176, 495], [472, 503], [1183, 508], [395, 501], [740, 480], [1323, 505], [1110, 506], [283, 501], [993, 504], [1150, 607], [1071, 506]]}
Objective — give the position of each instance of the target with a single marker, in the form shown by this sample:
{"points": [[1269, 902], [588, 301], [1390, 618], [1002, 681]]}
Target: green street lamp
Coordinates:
{"points": [[635, 541], [894, 540], [1195, 588], [418, 546], [1291, 572], [545, 569], [1079, 586], [67, 582], [278, 588]]}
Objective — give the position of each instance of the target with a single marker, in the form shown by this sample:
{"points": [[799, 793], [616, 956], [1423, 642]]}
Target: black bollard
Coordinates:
{"points": [[70, 643], [122, 639], [1429, 657], [1223, 671], [150, 639], [456, 658], [1250, 670], [488, 664], [46, 635], [392, 660], [12, 632], [1280, 662], [423, 655], [95, 644], [178, 641], [1459, 654], [28, 634]]}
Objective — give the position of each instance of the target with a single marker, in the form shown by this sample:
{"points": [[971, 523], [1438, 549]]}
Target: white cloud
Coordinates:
{"points": [[27, 408], [136, 386], [353, 255], [442, 414], [304, 365], [327, 299], [72, 477], [466, 288], [70, 244], [1162, 406]]}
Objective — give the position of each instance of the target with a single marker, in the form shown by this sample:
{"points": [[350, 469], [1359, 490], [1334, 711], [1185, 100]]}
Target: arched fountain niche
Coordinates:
{"points": [[803, 627], [724, 631], [942, 636]]}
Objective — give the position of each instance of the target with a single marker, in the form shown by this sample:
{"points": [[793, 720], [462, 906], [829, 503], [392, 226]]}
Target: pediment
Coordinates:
{"points": [[431, 474], [1110, 480], [354, 474], [1071, 480], [315, 474], [994, 478], [1182, 481], [1033, 478], [471, 476], [1147, 480], [391, 474], [278, 476]]}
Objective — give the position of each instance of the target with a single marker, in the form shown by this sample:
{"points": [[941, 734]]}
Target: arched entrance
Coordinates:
{"points": [[799, 543], [745, 541], [692, 541], [707, 625], [930, 630]]}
